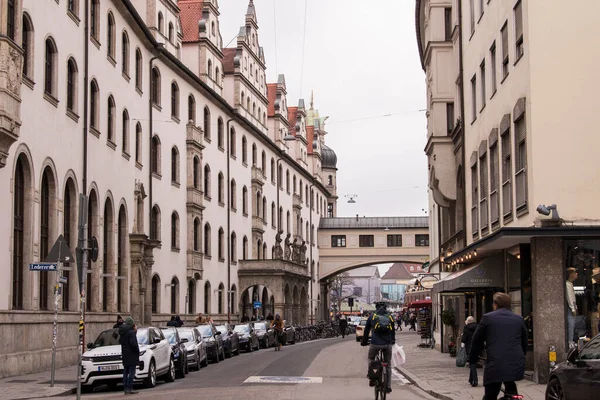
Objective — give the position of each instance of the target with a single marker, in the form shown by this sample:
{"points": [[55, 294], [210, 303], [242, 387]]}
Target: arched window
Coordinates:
{"points": [[248, 103], [138, 69], [122, 239], [94, 104], [207, 297], [257, 211], [207, 181], [207, 239], [191, 109], [174, 165], [280, 177], [209, 69], [155, 86], [245, 200], [174, 295], [233, 254], [171, 32], [69, 228], [294, 184], [254, 155], [221, 244], [263, 163], [155, 160], [220, 133], [174, 100], [191, 297], [92, 230], [221, 189], [206, 123], [232, 195], [242, 99], [155, 294], [45, 228], [125, 132], [196, 234], [217, 75], [155, 223], [212, 28], [107, 256], [10, 19], [272, 170], [72, 74], [50, 68], [264, 251], [287, 180], [20, 228], [174, 231], [280, 218], [161, 22], [95, 19], [138, 143], [264, 210], [273, 215], [254, 109], [221, 296], [125, 53], [110, 116], [196, 172], [288, 223], [27, 46], [232, 143], [244, 150], [245, 248], [110, 36]]}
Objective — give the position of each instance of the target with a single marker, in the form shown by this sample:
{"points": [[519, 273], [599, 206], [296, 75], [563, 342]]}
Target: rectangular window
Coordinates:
{"points": [[422, 240], [448, 23], [504, 34], [494, 197], [474, 200], [482, 73], [10, 15], [357, 291], [493, 67], [483, 192], [520, 164], [506, 175], [338, 240], [366, 241], [394, 240], [472, 9], [449, 117], [474, 97], [480, 8], [519, 30], [330, 210]]}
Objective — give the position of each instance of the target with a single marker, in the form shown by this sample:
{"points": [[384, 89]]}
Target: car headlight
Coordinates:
{"points": [[86, 358], [142, 352]]}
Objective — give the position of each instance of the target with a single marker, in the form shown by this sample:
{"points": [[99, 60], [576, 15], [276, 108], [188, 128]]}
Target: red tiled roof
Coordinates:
{"points": [[272, 96], [292, 115], [228, 56], [399, 271], [191, 14], [310, 133]]}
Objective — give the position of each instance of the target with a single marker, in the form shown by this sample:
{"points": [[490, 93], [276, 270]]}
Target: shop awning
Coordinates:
{"points": [[487, 273], [420, 303]]}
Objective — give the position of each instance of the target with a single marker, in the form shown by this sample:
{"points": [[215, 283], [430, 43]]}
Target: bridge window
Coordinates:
{"points": [[338, 240], [366, 241], [394, 240], [421, 240], [330, 210]]}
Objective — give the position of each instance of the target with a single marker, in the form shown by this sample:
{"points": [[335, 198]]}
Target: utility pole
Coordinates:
{"points": [[55, 322], [82, 267]]}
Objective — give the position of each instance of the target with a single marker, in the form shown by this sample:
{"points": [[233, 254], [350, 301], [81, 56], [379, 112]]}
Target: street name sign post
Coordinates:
{"points": [[42, 267], [257, 304]]}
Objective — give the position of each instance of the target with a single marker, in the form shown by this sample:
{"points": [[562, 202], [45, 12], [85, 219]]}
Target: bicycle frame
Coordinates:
{"points": [[382, 383]]}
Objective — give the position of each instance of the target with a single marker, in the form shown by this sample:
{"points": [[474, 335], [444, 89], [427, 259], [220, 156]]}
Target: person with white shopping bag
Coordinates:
{"points": [[398, 356], [381, 324]]}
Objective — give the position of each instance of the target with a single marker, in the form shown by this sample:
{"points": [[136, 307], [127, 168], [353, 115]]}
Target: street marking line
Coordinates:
{"points": [[399, 377], [284, 379]]}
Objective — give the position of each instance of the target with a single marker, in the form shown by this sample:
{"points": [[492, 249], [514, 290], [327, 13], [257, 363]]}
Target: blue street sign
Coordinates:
{"points": [[42, 267], [257, 304]]}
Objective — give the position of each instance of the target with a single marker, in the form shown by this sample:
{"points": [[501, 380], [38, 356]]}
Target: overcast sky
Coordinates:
{"points": [[362, 62]]}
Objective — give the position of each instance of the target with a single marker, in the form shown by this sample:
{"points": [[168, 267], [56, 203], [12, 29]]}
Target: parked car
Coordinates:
{"points": [[179, 351], [289, 333], [360, 329], [266, 335], [353, 320], [214, 343], [102, 363], [195, 347], [578, 376], [248, 338], [231, 340]]}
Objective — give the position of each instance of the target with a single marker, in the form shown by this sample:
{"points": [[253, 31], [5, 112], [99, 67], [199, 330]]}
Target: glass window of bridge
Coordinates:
{"points": [[338, 241]]}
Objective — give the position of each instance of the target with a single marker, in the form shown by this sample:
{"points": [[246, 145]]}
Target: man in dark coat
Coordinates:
{"points": [[172, 322], [130, 352], [380, 341], [467, 341], [119, 322], [505, 335], [343, 326], [178, 321]]}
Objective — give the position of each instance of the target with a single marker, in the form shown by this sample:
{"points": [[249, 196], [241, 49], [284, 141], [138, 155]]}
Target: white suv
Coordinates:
{"points": [[101, 364]]}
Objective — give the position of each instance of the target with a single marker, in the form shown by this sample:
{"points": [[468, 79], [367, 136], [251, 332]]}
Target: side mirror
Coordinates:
{"points": [[573, 355], [156, 340], [217, 333], [90, 345], [184, 340]]}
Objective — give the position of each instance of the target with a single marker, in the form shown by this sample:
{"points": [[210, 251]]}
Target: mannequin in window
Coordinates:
{"points": [[572, 311]]}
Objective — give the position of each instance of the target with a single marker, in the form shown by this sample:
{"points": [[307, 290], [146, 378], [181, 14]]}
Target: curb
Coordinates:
{"points": [[422, 385], [65, 392]]}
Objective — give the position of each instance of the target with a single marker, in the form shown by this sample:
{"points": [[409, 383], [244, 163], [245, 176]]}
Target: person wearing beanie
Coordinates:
{"points": [[119, 322], [130, 352]]}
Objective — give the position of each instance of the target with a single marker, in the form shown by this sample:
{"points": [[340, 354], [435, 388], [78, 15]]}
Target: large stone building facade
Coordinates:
{"points": [[191, 163], [509, 111]]}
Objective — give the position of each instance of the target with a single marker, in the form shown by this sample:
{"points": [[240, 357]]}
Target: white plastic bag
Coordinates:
{"points": [[398, 356]]}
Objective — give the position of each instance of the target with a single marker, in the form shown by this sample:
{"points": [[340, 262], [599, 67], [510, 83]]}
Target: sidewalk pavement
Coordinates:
{"points": [[437, 374], [37, 385]]}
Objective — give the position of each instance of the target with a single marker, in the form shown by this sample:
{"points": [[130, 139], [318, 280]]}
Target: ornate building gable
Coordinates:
{"points": [[278, 111]]}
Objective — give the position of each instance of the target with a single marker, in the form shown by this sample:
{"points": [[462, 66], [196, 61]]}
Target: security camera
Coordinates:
{"points": [[542, 209]]}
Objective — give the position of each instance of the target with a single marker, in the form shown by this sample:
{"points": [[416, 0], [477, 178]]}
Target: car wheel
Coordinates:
{"points": [[87, 388], [150, 381], [237, 350], [187, 366], [180, 372], [222, 353], [170, 375], [204, 363], [250, 347], [554, 390]]}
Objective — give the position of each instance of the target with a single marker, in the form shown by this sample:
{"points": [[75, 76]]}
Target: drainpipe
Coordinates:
{"points": [[228, 291], [462, 115], [310, 262], [86, 60]]}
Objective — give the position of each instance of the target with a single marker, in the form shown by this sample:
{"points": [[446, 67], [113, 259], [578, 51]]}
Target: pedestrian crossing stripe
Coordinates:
{"points": [[284, 379]]}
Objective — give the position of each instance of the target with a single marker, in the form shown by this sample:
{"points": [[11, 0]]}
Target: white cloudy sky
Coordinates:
{"points": [[362, 62]]}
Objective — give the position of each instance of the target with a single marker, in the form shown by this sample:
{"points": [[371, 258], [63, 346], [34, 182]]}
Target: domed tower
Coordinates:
{"points": [[329, 168]]}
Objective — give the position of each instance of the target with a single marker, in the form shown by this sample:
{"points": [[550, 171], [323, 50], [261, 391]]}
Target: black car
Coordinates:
{"points": [[266, 335], [248, 338], [179, 350], [214, 343], [578, 377], [231, 340]]}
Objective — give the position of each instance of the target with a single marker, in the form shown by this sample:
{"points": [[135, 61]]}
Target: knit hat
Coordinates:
{"points": [[129, 321]]}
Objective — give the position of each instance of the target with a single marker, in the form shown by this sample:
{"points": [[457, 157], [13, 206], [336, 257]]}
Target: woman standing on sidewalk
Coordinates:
{"points": [[278, 327], [467, 340]]}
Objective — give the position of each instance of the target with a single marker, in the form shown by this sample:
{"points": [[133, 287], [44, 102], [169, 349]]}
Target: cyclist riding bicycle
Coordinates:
{"points": [[381, 325]]}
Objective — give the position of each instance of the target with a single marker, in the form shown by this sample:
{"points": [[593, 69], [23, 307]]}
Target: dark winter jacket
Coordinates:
{"points": [[505, 336], [376, 338], [343, 323], [172, 323], [467, 336], [130, 350]]}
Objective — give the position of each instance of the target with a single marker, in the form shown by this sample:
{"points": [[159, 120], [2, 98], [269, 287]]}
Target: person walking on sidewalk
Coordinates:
{"points": [[130, 352], [399, 322], [343, 325], [413, 322], [467, 341], [278, 326], [505, 335], [382, 338]]}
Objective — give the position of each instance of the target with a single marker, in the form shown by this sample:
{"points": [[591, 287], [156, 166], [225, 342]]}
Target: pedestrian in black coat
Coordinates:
{"points": [[130, 353], [343, 326], [173, 322], [179, 321], [467, 340], [505, 336]]}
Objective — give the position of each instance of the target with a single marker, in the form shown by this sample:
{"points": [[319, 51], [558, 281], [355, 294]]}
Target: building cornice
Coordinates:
{"points": [[432, 45]]}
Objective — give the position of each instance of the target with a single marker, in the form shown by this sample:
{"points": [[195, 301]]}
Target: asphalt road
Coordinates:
{"points": [[336, 367]]}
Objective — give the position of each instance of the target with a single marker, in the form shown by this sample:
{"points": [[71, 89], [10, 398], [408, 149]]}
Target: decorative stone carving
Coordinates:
{"points": [[277, 249], [287, 244], [295, 251], [302, 251]]}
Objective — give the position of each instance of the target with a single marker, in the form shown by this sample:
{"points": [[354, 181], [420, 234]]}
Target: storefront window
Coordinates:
{"points": [[582, 289]]}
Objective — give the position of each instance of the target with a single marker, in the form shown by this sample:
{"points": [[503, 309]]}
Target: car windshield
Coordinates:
{"points": [[363, 322], [142, 336], [205, 330], [261, 326], [107, 338], [187, 335], [242, 329], [170, 335], [221, 328]]}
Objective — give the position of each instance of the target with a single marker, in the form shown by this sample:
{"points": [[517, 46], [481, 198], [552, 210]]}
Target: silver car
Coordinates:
{"points": [[196, 347]]}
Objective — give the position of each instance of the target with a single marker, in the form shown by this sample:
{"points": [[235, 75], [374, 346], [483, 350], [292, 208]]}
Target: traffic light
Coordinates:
{"points": [[350, 301]]}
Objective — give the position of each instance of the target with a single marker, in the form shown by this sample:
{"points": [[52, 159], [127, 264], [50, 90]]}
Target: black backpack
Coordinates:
{"points": [[374, 370], [383, 324]]}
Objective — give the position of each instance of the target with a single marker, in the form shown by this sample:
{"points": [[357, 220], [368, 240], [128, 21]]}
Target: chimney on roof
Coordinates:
{"points": [[357, 217]]}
